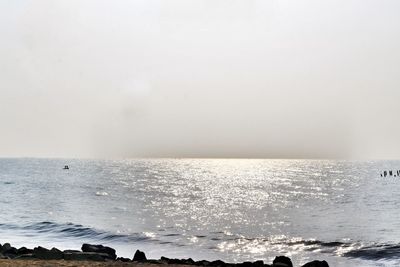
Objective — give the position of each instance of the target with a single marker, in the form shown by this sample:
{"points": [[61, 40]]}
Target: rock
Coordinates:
{"points": [[258, 263], [2, 257], [10, 252], [71, 251], [246, 264], [217, 263], [171, 261], [85, 256], [100, 249], [282, 261], [5, 247], [189, 261], [251, 264], [123, 259], [45, 254], [139, 256], [202, 263], [24, 250], [316, 264], [154, 261], [164, 259], [25, 257]]}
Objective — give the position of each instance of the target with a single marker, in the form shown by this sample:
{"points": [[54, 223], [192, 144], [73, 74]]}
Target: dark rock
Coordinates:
{"points": [[171, 261], [217, 263], [123, 259], [24, 250], [247, 264], [5, 247], [45, 254], [139, 256], [10, 252], [202, 263], [100, 249], [72, 251], [164, 260], [86, 256], [258, 263], [282, 261], [25, 257], [316, 264], [154, 261], [189, 261]]}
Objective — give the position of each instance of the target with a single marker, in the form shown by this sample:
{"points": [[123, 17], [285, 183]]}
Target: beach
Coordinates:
{"points": [[99, 255]]}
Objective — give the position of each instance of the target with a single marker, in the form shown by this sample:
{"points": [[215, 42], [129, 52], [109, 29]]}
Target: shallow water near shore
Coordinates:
{"points": [[233, 210]]}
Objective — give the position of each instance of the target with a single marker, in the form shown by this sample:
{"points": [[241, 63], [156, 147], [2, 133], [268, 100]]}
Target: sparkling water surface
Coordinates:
{"points": [[234, 210]]}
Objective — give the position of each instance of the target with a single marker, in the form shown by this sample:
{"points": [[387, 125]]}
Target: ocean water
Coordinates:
{"points": [[234, 210]]}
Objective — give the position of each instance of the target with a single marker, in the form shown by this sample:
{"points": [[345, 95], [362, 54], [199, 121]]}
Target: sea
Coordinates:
{"points": [[234, 210]]}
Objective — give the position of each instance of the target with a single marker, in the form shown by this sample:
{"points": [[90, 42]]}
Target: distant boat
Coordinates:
{"points": [[66, 167]]}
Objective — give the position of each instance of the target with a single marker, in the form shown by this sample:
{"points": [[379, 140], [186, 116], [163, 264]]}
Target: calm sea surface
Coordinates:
{"points": [[234, 210]]}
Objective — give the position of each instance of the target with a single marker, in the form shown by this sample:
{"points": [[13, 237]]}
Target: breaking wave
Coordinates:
{"points": [[360, 250], [71, 230]]}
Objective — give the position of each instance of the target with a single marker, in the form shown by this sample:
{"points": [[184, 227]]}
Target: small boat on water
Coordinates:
{"points": [[66, 167]]}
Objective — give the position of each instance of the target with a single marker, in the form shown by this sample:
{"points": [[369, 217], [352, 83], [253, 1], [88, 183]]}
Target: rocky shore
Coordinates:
{"points": [[98, 254]]}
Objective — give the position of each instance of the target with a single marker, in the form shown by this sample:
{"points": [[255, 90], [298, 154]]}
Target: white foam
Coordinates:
{"points": [[101, 194]]}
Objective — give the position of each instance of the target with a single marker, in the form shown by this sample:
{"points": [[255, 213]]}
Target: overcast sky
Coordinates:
{"points": [[211, 78]]}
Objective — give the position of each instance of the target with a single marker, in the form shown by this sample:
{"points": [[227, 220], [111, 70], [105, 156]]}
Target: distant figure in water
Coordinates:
{"points": [[66, 167], [384, 173]]}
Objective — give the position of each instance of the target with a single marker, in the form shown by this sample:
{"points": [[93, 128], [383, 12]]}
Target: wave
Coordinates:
{"points": [[282, 244], [361, 250], [71, 230], [371, 251], [376, 252]]}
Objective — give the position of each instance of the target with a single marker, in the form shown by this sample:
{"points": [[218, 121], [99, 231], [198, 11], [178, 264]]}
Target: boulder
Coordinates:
{"points": [[71, 251], [246, 264], [251, 264], [139, 256], [202, 263], [24, 250], [5, 247], [45, 254], [189, 261], [25, 257], [86, 256], [171, 261], [164, 259], [100, 249], [10, 252], [218, 263], [123, 259], [316, 264], [258, 263], [155, 261], [282, 261]]}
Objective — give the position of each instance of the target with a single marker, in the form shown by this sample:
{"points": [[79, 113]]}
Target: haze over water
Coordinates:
{"points": [[234, 210]]}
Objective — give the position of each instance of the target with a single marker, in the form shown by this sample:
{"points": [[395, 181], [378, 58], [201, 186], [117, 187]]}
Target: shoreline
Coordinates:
{"points": [[99, 255]]}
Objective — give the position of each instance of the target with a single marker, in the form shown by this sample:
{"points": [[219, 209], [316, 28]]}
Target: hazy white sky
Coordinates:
{"points": [[211, 78]]}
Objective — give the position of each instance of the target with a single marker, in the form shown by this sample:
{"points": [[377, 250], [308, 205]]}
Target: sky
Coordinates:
{"points": [[190, 78]]}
